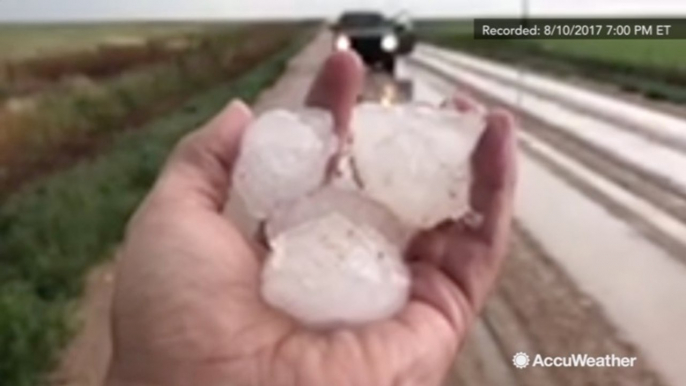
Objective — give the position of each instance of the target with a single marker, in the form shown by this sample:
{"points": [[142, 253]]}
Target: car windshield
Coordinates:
{"points": [[361, 20]]}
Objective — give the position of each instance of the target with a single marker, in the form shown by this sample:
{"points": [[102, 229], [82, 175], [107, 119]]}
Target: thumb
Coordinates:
{"points": [[199, 170]]}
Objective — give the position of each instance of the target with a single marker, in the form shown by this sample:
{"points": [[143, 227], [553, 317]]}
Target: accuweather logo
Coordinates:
{"points": [[521, 361]]}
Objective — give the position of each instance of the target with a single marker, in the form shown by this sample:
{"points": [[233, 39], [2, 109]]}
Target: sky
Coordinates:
{"points": [[60, 10]]}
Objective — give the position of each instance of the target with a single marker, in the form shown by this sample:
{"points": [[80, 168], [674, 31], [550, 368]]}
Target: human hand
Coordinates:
{"points": [[187, 307]]}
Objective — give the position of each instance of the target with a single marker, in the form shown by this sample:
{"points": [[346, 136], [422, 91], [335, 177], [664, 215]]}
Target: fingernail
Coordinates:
{"points": [[238, 106], [503, 119]]}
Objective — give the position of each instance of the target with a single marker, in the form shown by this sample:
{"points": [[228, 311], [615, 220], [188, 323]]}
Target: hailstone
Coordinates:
{"points": [[336, 244], [336, 259], [415, 159], [284, 155]]}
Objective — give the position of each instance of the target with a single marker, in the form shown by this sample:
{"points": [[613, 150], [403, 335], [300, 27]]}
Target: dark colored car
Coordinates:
{"points": [[377, 39]]}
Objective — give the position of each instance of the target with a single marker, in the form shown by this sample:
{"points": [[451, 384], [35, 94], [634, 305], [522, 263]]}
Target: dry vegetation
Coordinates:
{"points": [[55, 229], [22, 41], [82, 96]]}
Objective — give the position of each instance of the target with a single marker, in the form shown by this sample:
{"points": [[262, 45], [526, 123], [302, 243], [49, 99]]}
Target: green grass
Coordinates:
{"points": [[53, 231], [429, 28], [664, 54], [654, 68], [19, 41]]}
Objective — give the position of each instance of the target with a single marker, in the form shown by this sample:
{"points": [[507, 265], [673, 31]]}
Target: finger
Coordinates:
{"points": [[463, 103], [427, 246], [494, 170], [470, 264], [199, 170], [432, 286], [337, 87]]}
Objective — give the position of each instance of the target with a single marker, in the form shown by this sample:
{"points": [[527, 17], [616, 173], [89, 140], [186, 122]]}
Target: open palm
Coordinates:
{"points": [[187, 309]]}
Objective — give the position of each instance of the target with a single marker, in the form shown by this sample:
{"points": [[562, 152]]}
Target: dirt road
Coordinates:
{"points": [[596, 266]]}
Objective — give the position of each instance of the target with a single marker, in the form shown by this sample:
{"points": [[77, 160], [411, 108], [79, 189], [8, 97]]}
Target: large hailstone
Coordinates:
{"points": [[415, 159], [336, 259], [284, 156], [336, 245]]}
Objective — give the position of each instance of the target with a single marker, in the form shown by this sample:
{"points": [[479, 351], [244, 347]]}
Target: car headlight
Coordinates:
{"points": [[343, 43], [390, 43]]}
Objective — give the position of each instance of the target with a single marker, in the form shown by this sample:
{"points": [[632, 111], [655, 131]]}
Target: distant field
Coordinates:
{"points": [[669, 54], [52, 107], [443, 28], [656, 68], [19, 41]]}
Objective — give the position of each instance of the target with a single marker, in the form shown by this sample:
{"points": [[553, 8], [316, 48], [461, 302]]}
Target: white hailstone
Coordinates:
{"points": [[336, 247], [336, 259], [416, 159], [283, 156], [353, 205]]}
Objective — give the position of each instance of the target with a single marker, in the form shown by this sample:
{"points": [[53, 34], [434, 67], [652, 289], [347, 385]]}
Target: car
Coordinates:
{"points": [[377, 39]]}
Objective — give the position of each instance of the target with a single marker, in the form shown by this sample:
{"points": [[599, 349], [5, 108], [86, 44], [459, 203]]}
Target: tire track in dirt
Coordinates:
{"points": [[587, 155], [656, 190], [538, 309]]}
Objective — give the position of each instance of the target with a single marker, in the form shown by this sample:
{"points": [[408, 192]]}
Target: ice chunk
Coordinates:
{"points": [[283, 156], [336, 246], [415, 159], [335, 260], [353, 205]]}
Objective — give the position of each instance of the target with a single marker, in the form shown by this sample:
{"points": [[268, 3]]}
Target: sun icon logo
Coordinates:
{"points": [[520, 360]]}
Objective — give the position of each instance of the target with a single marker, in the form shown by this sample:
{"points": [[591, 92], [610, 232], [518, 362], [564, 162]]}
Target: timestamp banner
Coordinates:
{"points": [[564, 28]]}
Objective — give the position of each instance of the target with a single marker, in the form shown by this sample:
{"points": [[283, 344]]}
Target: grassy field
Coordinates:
{"points": [[33, 57], [64, 119], [666, 54], [54, 230], [20, 41], [655, 68]]}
